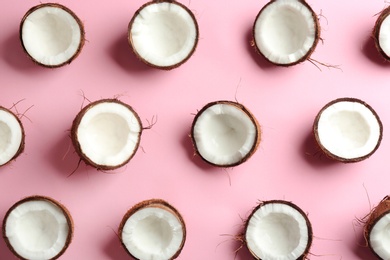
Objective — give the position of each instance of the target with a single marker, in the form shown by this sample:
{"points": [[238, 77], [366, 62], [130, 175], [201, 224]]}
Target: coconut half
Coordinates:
{"points": [[106, 134], [286, 32], [225, 133], [11, 136], [381, 33], [37, 228], [348, 130], [163, 34], [376, 229], [153, 230], [278, 230], [51, 34]]}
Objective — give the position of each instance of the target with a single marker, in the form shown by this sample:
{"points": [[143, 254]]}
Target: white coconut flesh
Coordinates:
{"points": [[109, 133], [349, 130], [380, 237], [37, 230], [11, 136], [384, 36], [285, 31], [51, 35], [163, 34], [277, 231], [224, 134], [153, 233]]}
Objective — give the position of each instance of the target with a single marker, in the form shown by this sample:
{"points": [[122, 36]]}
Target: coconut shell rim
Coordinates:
{"points": [[22, 142], [76, 143], [139, 57], [66, 9], [251, 117], [330, 154], [59, 205], [376, 31], [308, 53], [374, 216], [153, 203], [292, 205]]}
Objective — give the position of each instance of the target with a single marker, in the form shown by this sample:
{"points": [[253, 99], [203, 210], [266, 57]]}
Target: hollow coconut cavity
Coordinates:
{"points": [[225, 133], [381, 34], [106, 134], [37, 228], [163, 34], [153, 230], [376, 229], [51, 34], [278, 230], [286, 32], [11, 136], [348, 130]]}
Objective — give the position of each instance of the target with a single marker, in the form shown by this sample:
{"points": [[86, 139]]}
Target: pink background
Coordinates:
{"points": [[224, 66]]}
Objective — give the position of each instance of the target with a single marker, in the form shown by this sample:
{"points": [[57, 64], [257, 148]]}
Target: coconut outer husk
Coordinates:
{"points": [[382, 209], [310, 51], [22, 143], [153, 203], [288, 203], [130, 39], [375, 33], [64, 210], [326, 151], [66, 9], [247, 112], [75, 139]]}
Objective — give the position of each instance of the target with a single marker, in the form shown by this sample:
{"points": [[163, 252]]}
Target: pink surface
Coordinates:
{"points": [[224, 66]]}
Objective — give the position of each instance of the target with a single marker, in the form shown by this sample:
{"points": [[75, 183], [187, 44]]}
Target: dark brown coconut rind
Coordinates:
{"points": [[251, 117], [41, 198], [153, 203], [311, 50], [333, 156], [22, 143], [292, 205], [382, 209], [80, 23], [130, 39], [75, 139], [377, 28]]}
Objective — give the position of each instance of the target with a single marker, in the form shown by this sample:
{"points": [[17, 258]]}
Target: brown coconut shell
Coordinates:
{"points": [[326, 151], [311, 50], [382, 209], [75, 139], [22, 143], [130, 39], [288, 203], [153, 203], [47, 199], [66, 9], [375, 33], [240, 107]]}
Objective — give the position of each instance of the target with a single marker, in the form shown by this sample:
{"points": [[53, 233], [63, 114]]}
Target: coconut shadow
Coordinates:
{"points": [[15, 57], [313, 155], [360, 250], [63, 157], [5, 252], [114, 249], [238, 248], [121, 52], [370, 51]]}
